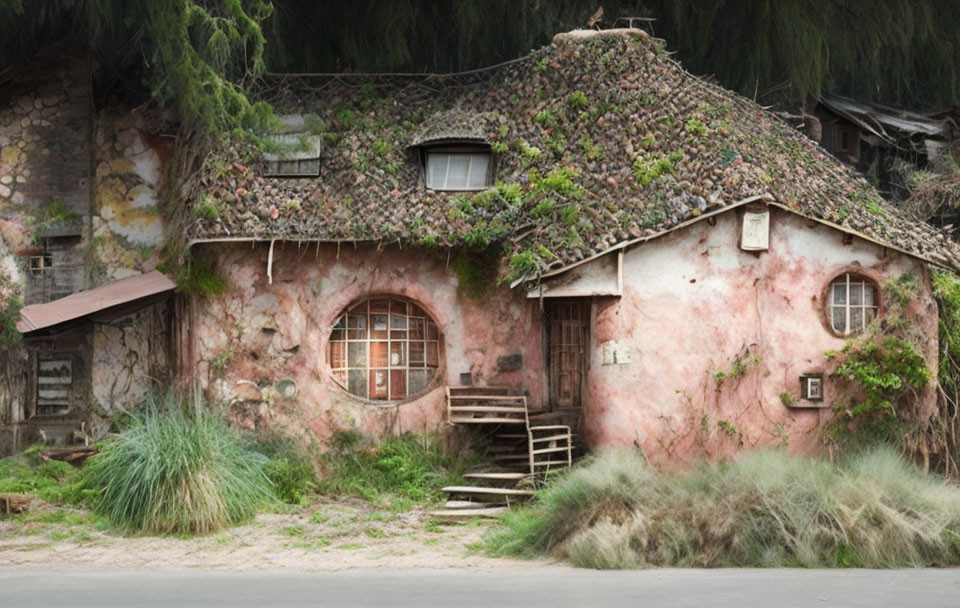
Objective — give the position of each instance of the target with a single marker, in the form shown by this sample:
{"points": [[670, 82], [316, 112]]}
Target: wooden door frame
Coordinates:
{"points": [[589, 312]]}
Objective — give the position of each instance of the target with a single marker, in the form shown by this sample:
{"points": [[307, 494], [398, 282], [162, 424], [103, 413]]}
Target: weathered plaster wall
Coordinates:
{"points": [[127, 223], [693, 303], [130, 358], [257, 334]]}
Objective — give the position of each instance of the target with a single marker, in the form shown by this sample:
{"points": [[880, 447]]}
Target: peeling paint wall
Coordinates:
{"points": [[127, 224], [257, 334], [693, 304], [130, 357]]}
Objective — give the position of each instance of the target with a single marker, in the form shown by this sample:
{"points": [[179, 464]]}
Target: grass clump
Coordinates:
{"points": [[177, 469], [290, 470], [769, 509], [49, 480], [411, 469]]}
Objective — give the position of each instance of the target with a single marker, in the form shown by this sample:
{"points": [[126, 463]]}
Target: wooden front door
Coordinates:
{"points": [[568, 324]]}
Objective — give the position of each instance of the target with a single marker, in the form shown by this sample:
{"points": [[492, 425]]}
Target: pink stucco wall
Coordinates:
{"points": [[692, 303], [281, 330]]}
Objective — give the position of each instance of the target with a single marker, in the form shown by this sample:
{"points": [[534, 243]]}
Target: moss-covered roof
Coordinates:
{"points": [[600, 138]]}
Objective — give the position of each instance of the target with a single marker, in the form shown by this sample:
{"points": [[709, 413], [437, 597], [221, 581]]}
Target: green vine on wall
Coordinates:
{"points": [[885, 370]]}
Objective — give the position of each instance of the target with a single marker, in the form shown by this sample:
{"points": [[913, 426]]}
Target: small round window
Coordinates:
{"points": [[852, 304], [385, 349]]}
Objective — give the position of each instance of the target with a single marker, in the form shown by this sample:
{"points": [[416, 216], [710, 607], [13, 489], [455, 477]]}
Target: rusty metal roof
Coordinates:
{"points": [[99, 299]]}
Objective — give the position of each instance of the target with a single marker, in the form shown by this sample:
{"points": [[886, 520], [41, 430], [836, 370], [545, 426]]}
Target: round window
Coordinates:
{"points": [[852, 303], [385, 349]]}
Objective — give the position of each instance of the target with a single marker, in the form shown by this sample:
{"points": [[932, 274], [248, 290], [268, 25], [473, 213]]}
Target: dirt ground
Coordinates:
{"points": [[326, 536]]}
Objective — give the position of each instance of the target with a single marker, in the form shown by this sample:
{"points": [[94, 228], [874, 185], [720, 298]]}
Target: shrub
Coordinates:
{"points": [[412, 467], [767, 509], [177, 468]]}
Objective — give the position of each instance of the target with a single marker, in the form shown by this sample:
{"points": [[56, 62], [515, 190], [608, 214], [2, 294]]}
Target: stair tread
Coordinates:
{"points": [[460, 420], [487, 397], [504, 476], [481, 490], [488, 408], [454, 513], [469, 504]]}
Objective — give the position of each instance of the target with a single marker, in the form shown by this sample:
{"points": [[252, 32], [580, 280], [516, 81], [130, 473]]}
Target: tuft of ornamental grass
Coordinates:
{"points": [[177, 469], [767, 509]]}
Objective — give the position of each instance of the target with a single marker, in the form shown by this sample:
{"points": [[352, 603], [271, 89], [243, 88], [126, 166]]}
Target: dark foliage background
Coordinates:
{"points": [[900, 52]]}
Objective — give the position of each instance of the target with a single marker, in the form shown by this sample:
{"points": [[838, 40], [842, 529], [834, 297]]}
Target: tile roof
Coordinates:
{"points": [[600, 139]]}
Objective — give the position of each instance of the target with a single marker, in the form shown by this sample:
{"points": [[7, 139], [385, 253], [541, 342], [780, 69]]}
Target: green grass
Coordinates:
{"points": [[768, 509], [177, 469], [401, 471], [52, 481]]}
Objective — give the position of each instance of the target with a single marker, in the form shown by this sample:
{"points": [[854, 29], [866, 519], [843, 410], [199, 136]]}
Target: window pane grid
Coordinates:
{"points": [[853, 304], [384, 350], [458, 170]]}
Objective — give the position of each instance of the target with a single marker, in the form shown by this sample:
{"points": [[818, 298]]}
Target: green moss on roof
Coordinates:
{"points": [[599, 139]]}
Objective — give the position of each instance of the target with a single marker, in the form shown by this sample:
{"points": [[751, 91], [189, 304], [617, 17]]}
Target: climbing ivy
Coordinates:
{"points": [[885, 370]]}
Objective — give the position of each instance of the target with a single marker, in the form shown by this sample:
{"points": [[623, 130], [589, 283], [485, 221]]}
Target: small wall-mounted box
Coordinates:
{"points": [[755, 232], [811, 387]]}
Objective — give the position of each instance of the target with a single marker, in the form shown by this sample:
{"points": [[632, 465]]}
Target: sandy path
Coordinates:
{"points": [[327, 536]]}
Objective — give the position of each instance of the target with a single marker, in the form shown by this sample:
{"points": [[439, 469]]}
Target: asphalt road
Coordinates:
{"points": [[555, 587]]}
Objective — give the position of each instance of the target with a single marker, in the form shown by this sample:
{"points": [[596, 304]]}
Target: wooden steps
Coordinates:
{"points": [[525, 455]]}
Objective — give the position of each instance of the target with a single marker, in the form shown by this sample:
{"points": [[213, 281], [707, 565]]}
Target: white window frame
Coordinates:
{"points": [[848, 280], [458, 151]]}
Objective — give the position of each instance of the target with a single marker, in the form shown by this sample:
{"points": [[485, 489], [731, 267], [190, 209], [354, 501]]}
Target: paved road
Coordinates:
{"points": [[553, 587]]}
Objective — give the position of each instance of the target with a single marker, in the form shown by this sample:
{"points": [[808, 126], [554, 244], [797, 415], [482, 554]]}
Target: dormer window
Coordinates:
{"points": [[296, 151], [458, 167]]}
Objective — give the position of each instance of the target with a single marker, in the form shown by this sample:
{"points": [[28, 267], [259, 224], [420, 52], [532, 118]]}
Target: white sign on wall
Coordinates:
{"points": [[755, 235]]}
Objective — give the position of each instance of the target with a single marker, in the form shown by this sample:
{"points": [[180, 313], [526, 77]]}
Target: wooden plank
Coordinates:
{"points": [[486, 390], [461, 513], [469, 504], [551, 450], [503, 476], [551, 438], [482, 490], [549, 427], [487, 421], [487, 408], [550, 463], [488, 397]]}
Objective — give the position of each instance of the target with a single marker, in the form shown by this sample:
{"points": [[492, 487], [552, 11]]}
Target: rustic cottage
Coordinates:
{"points": [[648, 258]]}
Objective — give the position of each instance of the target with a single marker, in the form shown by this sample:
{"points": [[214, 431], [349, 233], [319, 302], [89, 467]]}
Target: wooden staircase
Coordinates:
{"points": [[522, 451]]}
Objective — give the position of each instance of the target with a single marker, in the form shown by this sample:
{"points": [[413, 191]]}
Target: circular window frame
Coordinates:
{"points": [[440, 371], [825, 312]]}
